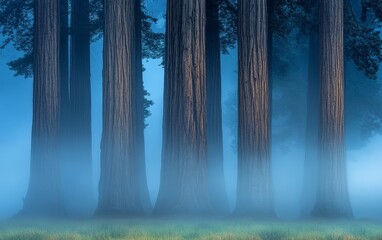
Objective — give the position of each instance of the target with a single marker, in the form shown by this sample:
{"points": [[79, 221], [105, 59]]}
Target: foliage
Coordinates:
{"points": [[372, 9], [363, 43], [152, 42], [228, 24], [16, 25], [147, 103], [281, 20]]}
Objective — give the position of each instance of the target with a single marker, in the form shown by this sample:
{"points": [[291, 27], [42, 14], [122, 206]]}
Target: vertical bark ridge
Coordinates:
{"points": [[121, 187], [254, 195], [332, 197], [43, 196], [184, 180], [64, 68]]}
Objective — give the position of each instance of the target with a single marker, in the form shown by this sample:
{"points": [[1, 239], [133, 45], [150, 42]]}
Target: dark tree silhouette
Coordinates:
{"points": [[216, 180], [78, 149], [371, 10]]}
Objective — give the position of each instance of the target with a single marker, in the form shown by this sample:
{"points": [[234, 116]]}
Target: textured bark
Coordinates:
{"points": [[121, 189], [43, 196], [271, 12], [217, 191], [332, 196], [184, 180], [254, 196], [64, 66], [311, 139], [78, 164]]}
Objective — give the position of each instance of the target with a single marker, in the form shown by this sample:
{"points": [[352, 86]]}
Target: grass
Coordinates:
{"points": [[176, 229]]}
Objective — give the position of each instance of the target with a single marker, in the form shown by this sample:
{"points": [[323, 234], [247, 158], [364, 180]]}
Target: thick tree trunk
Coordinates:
{"points": [[64, 87], [121, 190], [140, 114], [184, 180], [332, 196], [43, 197], [271, 12], [311, 139], [254, 196], [217, 191], [64, 66], [78, 164]]}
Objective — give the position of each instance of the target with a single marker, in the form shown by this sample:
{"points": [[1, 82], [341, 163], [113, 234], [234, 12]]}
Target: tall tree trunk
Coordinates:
{"points": [[43, 197], [121, 190], [140, 114], [332, 196], [184, 180], [64, 91], [79, 162], [271, 21], [64, 67], [311, 139], [217, 191], [254, 196]]}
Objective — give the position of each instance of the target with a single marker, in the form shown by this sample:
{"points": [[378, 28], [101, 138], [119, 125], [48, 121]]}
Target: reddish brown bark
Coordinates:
{"points": [[254, 194], [122, 189], [184, 181], [332, 196], [43, 196]]}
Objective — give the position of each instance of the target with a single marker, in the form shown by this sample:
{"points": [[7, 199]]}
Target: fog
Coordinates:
{"points": [[364, 163], [364, 152]]}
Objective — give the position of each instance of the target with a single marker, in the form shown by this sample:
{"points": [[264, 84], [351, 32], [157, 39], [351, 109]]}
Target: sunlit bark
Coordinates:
{"points": [[254, 194], [184, 181], [43, 196], [123, 189], [332, 195]]}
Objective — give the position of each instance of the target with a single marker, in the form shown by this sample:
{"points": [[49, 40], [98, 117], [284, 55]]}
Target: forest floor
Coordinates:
{"points": [[168, 229]]}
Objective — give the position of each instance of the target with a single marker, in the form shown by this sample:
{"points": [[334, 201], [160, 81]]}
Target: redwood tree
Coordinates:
{"points": [[77, 145], [122, 189], [311, 135], [332, 196], [217, 191], [184, 182], [43, 196], [311, 152], [254, 194]]}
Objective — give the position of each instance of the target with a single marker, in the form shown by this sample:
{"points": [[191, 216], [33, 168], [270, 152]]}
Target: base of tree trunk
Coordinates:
{"points": [[120, 214], [319, 212], [258, 215], [174, 213], [38, 213]]}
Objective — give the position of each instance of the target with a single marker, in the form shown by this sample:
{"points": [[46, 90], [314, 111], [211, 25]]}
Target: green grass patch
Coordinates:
{"points": [[176, 229]]}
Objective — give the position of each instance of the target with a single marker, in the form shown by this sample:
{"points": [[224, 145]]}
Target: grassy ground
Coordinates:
{"points": [[189, 229]]}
